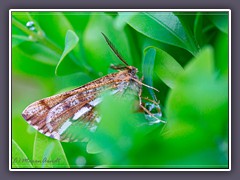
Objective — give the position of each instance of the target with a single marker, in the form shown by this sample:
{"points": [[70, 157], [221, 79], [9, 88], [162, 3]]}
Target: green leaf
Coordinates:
{"points": [[197, 112], [48, 153], [39, 52], [79, 28], [54, 24], [22, 62], [98, 54], [147, 69], [23, 17], [70, 42], [18, 39], [222, 53], [31, 45], [122, 19], [45, 46], [18, 36], [180, 54], [198, 28], [66, 65], [93, 148], [21, 26], [166, 67], [204, 30], [19, 158], [164, 27], [78, 20], [113, 137], [220, 20]]}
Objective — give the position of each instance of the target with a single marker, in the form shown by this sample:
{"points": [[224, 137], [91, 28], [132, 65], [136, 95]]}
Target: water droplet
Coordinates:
{"points": [[155, 111], [30, 25], [81, 161]]}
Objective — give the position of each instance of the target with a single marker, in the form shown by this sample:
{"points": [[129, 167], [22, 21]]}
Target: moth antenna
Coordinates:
{"points": [[114, 49]]}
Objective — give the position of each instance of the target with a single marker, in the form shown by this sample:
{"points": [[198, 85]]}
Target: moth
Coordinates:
{"points": [[52, 116]]}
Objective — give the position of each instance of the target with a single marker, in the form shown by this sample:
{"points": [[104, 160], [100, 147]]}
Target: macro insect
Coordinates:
{"points": [[54, 115]]}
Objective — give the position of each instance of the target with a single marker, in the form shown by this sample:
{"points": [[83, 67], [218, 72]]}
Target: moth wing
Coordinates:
{"points": [[70, 130], [37, 110], [49, 120], [53, 115]]}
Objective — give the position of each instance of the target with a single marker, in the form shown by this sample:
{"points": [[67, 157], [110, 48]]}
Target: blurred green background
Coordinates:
{"points": [[183, 54]]}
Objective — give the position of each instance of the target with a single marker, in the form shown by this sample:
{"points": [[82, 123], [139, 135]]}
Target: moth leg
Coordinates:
{"points": [[145, 109], [150, 100], [148, 112], [146, 98], [139, 82]]}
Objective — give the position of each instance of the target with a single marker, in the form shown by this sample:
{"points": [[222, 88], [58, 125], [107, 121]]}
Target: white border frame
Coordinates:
{"points": [[99, 10]]}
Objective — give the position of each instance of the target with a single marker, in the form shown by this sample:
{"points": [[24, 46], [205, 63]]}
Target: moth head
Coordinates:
{"points": [[132, 70]]}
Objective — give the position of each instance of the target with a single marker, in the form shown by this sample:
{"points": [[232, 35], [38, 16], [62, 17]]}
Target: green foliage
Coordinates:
{"points": [[165, 27], [70, 43], [166, 67], [220, 20], [184, 55], [198, 110], [50, 152], [19, 158], [98, 54]]}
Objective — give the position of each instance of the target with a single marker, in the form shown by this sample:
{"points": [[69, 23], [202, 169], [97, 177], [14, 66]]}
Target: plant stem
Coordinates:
{"points": [[38, 37]]}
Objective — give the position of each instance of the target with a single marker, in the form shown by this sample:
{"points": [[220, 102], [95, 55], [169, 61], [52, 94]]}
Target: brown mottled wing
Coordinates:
{"points": [[71, 129], [53, 115]]}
